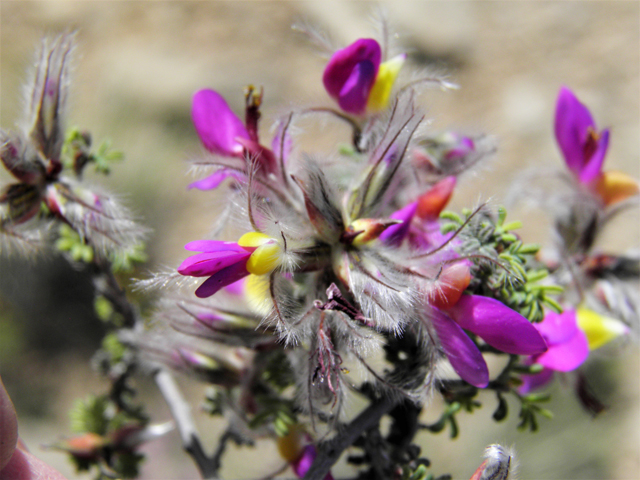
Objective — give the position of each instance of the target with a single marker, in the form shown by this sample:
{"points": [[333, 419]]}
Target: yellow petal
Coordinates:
{"points": [[266, 258], [291, 445], [614, 186], [387, 74], [256, 290], [253, 239], [599, 329]]}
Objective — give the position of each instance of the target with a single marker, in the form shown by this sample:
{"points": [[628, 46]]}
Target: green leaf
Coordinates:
{"points": [[512, 226], [103, 308], [112, 345], [537, 398], [454, 427], [454, 217], [449, 228], [502, 410], [89, 415]]}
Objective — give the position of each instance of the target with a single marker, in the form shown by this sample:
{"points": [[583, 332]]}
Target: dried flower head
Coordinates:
{"points": [[36, 158]]}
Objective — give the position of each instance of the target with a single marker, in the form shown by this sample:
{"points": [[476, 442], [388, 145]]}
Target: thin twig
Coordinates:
{"points": [[180, 410]]}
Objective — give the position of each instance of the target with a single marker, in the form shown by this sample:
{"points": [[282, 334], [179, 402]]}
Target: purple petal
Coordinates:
{"points": [[236, 288], [572, 122], [303, 464], [557, 328], [395, 234], [463, 147], [593, 165], [533, 382], [213, 246], [221, 279], [209, 263], [497, 325], [214, 180], [463, 354], [355, 91], [362, 57], [216, 124], [566, 356]]}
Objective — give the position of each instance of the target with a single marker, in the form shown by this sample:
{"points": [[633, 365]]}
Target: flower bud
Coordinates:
{"points": [[433, 202], [499, 464], [48, 98], [446, 290], [86, 446], [365, 230], [23, 203], [21, 159]]}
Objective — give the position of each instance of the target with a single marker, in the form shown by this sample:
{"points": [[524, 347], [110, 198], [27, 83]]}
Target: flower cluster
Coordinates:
{"points": [[323, 263], [605, 305]]}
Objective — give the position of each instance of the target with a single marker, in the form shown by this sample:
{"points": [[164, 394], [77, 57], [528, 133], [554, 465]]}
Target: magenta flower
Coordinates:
{"points": [[223, 133], [583, 147], [568, 348], [219, 129], [223, 262], [498, 325], [351, 73]]}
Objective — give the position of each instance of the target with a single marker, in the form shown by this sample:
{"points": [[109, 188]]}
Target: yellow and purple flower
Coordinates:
{"points": [[570, 335], [582, 145], [584, 148], [227, 262], [357, 78]]}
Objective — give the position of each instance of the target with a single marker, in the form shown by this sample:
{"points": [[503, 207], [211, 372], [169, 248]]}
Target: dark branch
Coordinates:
{"points": [[329, 451]]}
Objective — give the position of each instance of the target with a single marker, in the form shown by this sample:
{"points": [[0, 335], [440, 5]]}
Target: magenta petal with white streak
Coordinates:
{"points": [[216, 124]]}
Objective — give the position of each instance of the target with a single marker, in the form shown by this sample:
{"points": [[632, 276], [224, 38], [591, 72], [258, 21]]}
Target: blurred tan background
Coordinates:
{"points": [[140, 62]]}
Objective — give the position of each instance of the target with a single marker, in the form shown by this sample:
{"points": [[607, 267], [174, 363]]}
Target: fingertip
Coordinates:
{"points": [[8, 426]]}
